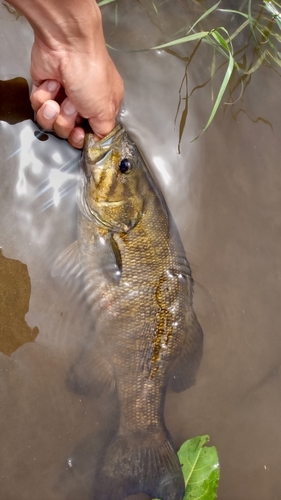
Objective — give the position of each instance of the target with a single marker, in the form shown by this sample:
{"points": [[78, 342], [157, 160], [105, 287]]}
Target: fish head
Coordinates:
{"points": [[116, 183]]}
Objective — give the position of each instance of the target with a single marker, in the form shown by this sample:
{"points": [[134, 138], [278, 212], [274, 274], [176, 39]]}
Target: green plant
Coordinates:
{"points": [[261, 25], [200, 467]]}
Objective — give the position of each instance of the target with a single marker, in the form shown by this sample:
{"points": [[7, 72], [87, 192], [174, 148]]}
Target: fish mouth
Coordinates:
{"points": [[94, 152], [113, 137], [111, 203], [107, 141]]}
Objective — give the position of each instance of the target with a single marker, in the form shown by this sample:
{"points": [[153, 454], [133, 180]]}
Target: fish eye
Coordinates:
{"points": [[125, 166]]}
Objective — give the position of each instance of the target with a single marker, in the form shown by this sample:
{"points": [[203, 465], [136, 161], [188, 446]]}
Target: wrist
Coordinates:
{"points": [[64, 25]]}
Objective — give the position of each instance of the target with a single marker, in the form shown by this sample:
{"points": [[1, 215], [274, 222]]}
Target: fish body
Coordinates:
{"points": [[139, 286]]}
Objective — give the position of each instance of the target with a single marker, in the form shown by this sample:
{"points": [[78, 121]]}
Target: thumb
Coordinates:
{"points": [[101, 128]]}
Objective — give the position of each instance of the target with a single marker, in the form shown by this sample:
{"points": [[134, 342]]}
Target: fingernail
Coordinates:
{"points": [[68, 108], [78, 137], [52, 85], [49, 112]]}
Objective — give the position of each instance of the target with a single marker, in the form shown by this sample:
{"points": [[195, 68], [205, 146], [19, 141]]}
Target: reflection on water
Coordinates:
{"points": [[15, 289], [224, 192]]}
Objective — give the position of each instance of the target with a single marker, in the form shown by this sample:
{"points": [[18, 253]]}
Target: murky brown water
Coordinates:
{"points": [[224, 192]]}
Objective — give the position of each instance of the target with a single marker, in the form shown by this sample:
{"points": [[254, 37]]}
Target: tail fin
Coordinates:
{"points": [[137, 463]]}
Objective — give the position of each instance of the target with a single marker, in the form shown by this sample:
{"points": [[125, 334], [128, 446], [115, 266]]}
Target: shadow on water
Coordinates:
{"points": [[15, 103], [224, 193]]}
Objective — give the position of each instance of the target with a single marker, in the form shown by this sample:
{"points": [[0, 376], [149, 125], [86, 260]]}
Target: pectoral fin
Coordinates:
{"points": [[108, 256], [184, 371], [104, 259], [68, 262]]}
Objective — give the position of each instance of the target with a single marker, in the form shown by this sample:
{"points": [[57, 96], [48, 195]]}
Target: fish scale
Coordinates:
{"points": [[146, 334]]}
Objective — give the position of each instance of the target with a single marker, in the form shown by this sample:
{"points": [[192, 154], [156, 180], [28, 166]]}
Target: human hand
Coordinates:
{"points": [[69, 53], [93, 87]]}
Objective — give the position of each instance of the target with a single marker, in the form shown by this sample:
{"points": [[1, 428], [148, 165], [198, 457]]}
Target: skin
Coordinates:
{"points": [[69, 53]]}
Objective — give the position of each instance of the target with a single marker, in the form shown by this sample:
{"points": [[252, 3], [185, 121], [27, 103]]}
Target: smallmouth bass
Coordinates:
{"points": [[146, 336]]}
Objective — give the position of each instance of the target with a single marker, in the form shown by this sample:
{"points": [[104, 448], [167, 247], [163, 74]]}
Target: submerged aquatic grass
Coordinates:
{"points": [[260, 26], [105, 2], [266, 43]]}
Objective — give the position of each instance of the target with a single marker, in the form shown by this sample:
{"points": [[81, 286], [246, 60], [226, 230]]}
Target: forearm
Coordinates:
{"points": [[64, 23]]}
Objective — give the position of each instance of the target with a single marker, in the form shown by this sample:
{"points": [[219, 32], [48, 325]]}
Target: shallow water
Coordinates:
{"points": [[224, 193]]}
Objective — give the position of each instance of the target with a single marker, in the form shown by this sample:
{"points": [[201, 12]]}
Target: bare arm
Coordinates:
{"points": [[69, 50]]}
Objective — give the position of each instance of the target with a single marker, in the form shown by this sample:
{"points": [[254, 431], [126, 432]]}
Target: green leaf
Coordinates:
{"points": [[207, 13], [200, 467], [155, 8], [227, 76], [231, 11], [104, 2], [188, 38], [272, 9], [251, 21]]}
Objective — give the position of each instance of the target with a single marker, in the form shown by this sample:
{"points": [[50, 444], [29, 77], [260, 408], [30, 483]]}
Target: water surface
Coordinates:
{"points": [[224, 193]]}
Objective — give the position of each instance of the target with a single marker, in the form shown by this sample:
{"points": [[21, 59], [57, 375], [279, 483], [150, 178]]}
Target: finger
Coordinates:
{"points": [[101, 128], [45, 92], [65, 121], [76, 137], [47, 114], [80, 119]]}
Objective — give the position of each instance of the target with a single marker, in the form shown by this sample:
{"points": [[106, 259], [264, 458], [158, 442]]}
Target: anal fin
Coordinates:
{"points": [[184, 371], [68, 262]]}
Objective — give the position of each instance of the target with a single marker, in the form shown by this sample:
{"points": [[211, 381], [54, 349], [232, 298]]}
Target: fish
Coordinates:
{"points": [[146, 336]]}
